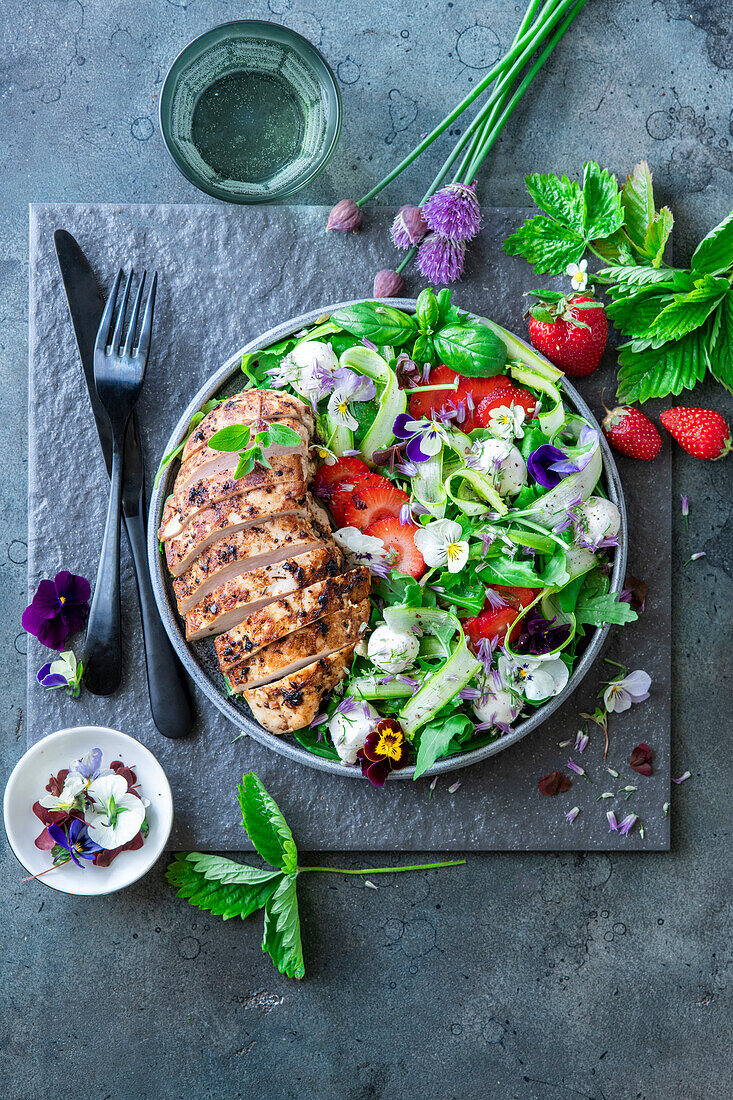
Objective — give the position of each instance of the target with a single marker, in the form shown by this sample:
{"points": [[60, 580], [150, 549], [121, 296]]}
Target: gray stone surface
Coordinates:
{"points": [[532, 976], [204, 314]]}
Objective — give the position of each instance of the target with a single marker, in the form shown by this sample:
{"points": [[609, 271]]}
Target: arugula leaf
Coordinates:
{"points": [[221, 886], [721, 343], [603, 213], [656, 372], [637, 201], [687, 312], [399, 588], [597, 610], [714, 254], [559, 197], [435, 738], [281, 936], [546, 244], [471, 349], [265, 825]]}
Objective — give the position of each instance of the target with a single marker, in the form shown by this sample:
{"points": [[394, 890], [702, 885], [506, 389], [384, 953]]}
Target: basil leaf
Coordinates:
{"points": [[232, 438], [656, 372], [687, 312], [559, 197], [282, 435], [546, 244], [380, 324], [443, 299], [721, 343], [238, 893], [427, 311], [281, 936], [714, 254], [603, 213], [265, 825], [637, 200], [435, 738], [471, 349]]}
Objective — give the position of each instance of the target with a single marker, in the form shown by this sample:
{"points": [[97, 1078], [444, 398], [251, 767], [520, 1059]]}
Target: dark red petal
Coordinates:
{"points": [[44, 841], [554, 783], [377, 773], [370, 746], [105, 856], [640, 759]]}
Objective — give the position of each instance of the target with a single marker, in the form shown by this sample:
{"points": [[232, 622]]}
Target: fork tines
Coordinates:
{"points": [[114, 343]]}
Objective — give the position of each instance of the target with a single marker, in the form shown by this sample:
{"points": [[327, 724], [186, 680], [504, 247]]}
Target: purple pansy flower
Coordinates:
{"points": [[541, 635], [58, 609], [77, 842], [548, 465], [49, 679], [453, 212], [440, 260], [425, 438]]}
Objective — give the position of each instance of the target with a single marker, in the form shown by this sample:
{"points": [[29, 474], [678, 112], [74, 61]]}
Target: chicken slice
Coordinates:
{"points": [[288, 655], [262, 544], [206, 462], [186, 504], [293, 702], [230, 603], [247, 408], [281, 617], [237, 513]]}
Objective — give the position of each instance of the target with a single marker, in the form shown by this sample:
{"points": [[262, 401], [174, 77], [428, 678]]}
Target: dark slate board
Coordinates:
{"points": [[227, 274]]}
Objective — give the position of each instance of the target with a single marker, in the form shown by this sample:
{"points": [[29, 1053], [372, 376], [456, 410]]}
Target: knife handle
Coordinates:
{"points": [[102, 658], [169, 702]]}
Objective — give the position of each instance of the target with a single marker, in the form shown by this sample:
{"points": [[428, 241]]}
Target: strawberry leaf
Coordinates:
{"points": [[603, 213], [281, 937], [639, 275], [615, 249], [221, 886], [721, 343], [634, 315], [656, 372], [546, 244], [657, 235], [265, 825], [559, 197], [687, 312], [637, 200], [714, 254]]}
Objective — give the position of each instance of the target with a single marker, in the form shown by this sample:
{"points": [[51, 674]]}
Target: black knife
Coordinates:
{"points": [[169, 701]]}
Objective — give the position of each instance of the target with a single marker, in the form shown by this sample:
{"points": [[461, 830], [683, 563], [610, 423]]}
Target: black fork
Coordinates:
{"points": [[119, 372]]}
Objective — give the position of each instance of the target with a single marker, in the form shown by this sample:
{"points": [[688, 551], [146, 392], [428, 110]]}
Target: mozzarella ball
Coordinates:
{"points": [[496, 707], [311, 358], [349, 731], [597, 519], [392, 650], [503, 463]]}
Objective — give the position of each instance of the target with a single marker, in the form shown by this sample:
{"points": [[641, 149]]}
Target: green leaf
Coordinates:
{"points": [[687, 312], [559, 197], [281, 937], [597, 610], [615, 249], [221, 886], [640, 275], [471, 349], [435, 738], [245, 465], [634, 315], [546, 244], [380, 324], [714, 254], [282, 435], [265, 825], [656, 372], [657, 236], [603, 211], [721, 343], [234, 437], [637, 200]]}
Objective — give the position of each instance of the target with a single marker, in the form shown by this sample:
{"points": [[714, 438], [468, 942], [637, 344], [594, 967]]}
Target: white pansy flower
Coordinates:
{"points": [[361, 549], [578, 275], [441, 543], [348, 387], [116, 814], [532, 677], [66, 801], [506, 422], [392, 650], [633, 688]]}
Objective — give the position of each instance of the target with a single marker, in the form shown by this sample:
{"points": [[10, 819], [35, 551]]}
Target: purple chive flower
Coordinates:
{"points": [[575, 768], [541, 635], [627, 824], [409, 227], [685, 505], [454, 787], [548, 465], [488, 538], [440, 260], [494, 599], [468, 693], [318, 721], [454, 212], [58, 609], [406, 469], [581, 741], [388, 284], [345, 217], [77, 842], [406, 515], [571, 815], [368, 344], [682, 778], [612, 822]]}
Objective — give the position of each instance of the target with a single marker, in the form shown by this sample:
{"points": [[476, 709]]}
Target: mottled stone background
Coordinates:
{"points": [[535, 977]]}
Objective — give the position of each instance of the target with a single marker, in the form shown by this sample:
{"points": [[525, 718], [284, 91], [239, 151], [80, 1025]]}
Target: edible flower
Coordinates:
{"points": [[682, 778], [388, 283], [409, 227], [554, 783], [571, 815], [64, 672], [578, 274], [117, 814], [627, 824], [454, 212], [76, 842], [361, 549], [620, 694], [58, 609], [535, 679], [440, 260], [385, 750], [540, 635], [506, 422], [345, 217], [67, 799], [641, 759], [309, 368], [425, 438], [612, 822], [440, 544], [348, 387]]}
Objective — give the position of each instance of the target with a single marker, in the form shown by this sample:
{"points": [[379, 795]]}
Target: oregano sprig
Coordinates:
{"points": [[238, 437], [229, 889]]}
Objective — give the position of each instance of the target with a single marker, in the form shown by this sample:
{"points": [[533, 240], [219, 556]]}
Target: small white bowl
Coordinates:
{"points": [[27, 784]]}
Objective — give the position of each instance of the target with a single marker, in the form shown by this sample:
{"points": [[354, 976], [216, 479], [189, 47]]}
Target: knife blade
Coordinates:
{"points": [[169, 703]]}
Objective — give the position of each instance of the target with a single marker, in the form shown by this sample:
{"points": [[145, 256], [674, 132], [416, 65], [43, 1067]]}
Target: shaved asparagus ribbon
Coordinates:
{"points": [[392, 400]]}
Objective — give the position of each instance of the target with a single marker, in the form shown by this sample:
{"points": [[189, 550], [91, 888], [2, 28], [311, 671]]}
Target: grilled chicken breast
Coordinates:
{"points": [[231, 602], [281, 617], [247, 408], [293, 702], [288, 655]]}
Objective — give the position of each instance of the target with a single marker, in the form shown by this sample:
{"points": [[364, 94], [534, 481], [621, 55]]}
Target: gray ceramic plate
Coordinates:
{"points": [[200, 660]]}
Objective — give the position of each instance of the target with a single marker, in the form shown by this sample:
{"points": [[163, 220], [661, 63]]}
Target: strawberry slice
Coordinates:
{"points": [[431, 401], [341, 496], [515, 596], [506, 395], [399, 538], [470, 392], [373, 498], [328, 477], [490, 622]]}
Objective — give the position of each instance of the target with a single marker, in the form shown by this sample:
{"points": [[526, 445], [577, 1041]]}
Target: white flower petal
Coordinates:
{"points": [[638, 682], [456, 556]]}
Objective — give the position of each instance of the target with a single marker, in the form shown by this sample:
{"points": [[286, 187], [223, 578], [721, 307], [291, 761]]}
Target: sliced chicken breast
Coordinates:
{"points": [[247, 408], [262, 544], [186, 504], [206, 462], [293, 702], [288, 655], [230, 603], [283, 616]]}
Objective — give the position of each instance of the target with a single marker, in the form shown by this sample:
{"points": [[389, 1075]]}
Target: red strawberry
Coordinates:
{"points": [[703, 433], [430, 401], [632, 433], [341, 497], [505, 395], [574, 339], [491, 622], [470, 392], [399, 538], [328, 477], [373, 498]]}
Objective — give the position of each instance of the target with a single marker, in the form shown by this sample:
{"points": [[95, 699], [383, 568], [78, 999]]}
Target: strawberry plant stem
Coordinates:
{"points": [[385, 870]]}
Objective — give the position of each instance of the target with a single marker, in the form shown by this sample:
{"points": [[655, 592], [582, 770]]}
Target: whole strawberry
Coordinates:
{"points": [[703, 433], [571, 332], [632, 433]]}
